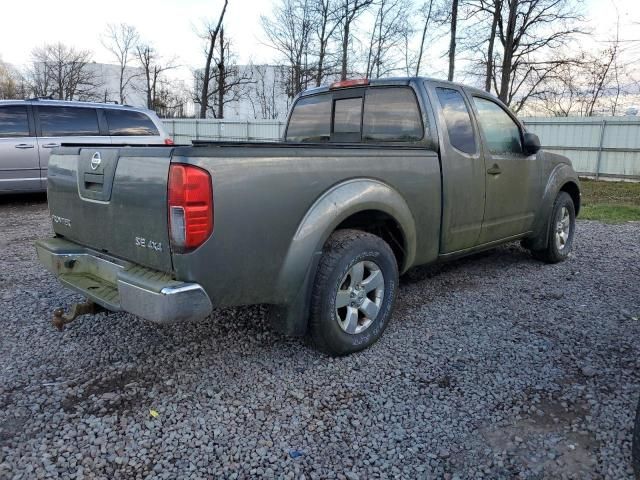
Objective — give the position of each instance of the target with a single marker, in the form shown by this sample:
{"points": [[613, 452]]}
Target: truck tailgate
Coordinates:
{"points": [[113, 199]]}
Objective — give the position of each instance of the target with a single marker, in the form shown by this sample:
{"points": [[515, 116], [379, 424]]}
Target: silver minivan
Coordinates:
{"points": [[29, 129]]}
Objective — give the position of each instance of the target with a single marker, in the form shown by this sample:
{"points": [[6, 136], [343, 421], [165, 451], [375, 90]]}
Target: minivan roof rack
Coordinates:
{"points": [[50, 97]]}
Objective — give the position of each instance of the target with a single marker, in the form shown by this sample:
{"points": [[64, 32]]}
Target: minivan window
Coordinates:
{"points": [[68, 121], [14, 121], [310, 120], [347, 113], [501, 132], [392, 115], [130, 124], [457, 119]]}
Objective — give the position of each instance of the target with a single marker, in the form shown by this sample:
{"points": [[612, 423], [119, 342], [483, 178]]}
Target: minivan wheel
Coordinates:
{"points": [[354, 292], [561, 231]]}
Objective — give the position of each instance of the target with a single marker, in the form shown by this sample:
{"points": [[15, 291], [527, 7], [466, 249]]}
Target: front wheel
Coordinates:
{"points": [[354, 292], [561, 231]]}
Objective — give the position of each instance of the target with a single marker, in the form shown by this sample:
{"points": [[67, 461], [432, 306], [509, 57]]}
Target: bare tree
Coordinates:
{"points": [[326, 12], [290, 32], [350, 10], [495, 9], [226, 79], [263, 92], [11, 84], [62, 72], [525, 28], [211, 37], [153, 69], [390, 27], [121, 40], [426, 11], [171, 99]]}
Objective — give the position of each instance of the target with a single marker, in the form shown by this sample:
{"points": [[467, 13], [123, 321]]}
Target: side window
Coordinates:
{"points": [[391, 115], [310, 120], [68, 121], [458, 119], [501, 132], [14, 121], [126, 123], [347, 113]]}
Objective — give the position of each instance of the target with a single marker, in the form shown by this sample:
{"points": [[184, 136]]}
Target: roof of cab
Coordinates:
{"points": [[397, 81]]}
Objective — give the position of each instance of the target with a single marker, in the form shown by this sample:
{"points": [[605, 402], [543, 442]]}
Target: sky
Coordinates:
{"points": [[171, 26]]}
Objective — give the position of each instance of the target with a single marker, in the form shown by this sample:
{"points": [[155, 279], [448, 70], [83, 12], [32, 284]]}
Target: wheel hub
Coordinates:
{"points": [[359, 297]]}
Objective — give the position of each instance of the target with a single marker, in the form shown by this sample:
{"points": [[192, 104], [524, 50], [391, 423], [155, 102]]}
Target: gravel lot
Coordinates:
{"points": [[495, 366]]}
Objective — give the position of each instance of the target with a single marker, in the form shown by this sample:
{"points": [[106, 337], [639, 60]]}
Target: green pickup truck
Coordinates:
{"points": [[371, 179]]}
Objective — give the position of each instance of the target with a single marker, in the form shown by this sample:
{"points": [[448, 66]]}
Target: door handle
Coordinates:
{"points": [[24, 146], [494, 170], [50, 145]]}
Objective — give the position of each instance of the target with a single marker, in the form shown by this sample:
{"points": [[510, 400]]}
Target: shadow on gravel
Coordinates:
{"points": [[22, 199], [510, 253]]}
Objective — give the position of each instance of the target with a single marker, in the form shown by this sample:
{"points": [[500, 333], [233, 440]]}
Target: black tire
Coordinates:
{"points": [[635, 447], [344, 254], [555, 253]]}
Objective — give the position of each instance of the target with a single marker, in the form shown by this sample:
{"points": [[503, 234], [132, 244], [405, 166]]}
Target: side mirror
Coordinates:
{"points": [[530, 143]]}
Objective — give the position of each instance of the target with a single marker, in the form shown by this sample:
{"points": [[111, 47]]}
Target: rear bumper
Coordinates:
{"points": [[123, 286]]}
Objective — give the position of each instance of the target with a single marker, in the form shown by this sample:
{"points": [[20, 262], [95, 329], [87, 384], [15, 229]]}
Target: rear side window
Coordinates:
{"points": [[501, 132], [14, 121], [457, 119], [130, 124], [391, 115], [68, 122], [310, 120]]}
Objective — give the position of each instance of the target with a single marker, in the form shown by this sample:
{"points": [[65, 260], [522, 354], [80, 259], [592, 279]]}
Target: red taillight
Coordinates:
{"points": [[168, 141], [190, 206], [350, 83]]}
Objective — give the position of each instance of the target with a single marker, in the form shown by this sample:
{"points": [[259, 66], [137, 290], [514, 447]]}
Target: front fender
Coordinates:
{"points": [[559, 176], [328, 211]]}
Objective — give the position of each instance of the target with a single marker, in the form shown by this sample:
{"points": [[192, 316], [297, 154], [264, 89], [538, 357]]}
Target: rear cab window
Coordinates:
{"points": [[14, 121], [381, 114], [68, 121], [127, 123], [457, 119]]}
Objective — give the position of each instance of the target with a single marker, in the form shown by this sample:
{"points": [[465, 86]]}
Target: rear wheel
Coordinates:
{"points": [[561, 231], [354, 292]]}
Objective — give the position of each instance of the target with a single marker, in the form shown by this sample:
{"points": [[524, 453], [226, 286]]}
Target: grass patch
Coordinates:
{"points": [[610, 202]]}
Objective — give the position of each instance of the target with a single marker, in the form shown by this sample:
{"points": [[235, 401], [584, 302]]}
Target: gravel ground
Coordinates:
{"points": [[495, 366]]}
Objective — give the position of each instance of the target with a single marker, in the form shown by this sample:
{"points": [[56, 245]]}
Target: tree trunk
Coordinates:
{"points": [[323, 47], [206, 74], [507, 61], [221, 77], [497, 6], [452, 43], [424, 35], [345, 47]]}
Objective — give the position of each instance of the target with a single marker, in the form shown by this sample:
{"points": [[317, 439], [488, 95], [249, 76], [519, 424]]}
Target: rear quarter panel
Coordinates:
{"points": [[262, 194]]}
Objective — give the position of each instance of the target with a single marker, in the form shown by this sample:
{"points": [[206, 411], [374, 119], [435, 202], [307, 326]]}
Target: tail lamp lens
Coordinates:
{"points": [[190, 206]]}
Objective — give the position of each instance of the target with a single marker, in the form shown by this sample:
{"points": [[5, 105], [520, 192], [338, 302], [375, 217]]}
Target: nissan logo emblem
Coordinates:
{"points": [[95, 161]]}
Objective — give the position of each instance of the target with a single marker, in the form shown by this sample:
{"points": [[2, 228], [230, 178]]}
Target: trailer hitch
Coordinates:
{"points": [[60, 319]]}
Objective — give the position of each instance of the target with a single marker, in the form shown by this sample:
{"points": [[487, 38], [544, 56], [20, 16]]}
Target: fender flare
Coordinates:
{"points": [[559, 177], [328, 212]]}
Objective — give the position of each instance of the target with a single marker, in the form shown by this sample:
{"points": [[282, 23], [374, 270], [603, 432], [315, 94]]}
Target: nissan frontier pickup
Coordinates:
{"points": [[370, 179]]}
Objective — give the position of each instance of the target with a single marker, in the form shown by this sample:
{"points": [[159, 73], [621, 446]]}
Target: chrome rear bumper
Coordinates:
{"points": [[123, 286]]}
